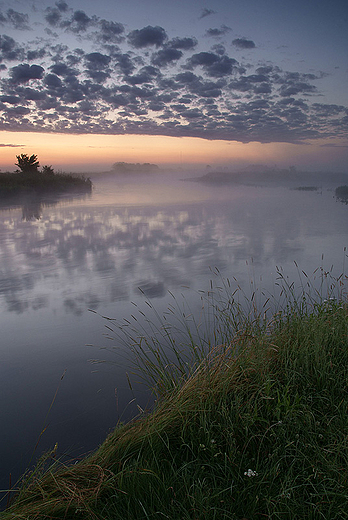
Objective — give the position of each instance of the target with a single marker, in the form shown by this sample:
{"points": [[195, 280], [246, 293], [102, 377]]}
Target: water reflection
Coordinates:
{"points": [[82, 257], [33, 204]]}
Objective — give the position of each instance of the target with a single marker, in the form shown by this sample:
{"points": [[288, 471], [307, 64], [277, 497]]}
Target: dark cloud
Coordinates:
{"points": [[214, 64], [294, 83], [53, 16], [328, 110], [219, 49], [33, 94], [147, 36], [9, 49], [96, 60], [62, 6], [110, 32], [24, 73], [206, 12], [2, 145], [257, 83], [184, 44], [124, 63], [12, 100], [36, 54], [62, 69], [330, 145], [166, 56], [145, 75], [79, 22], [18, 20], [267, 69], [218, 32], [243, 43], [195, 84], [52, 81]]}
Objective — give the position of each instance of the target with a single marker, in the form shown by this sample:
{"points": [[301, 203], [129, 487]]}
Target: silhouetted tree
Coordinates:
{"points": [[27, 164], [48, 170]]}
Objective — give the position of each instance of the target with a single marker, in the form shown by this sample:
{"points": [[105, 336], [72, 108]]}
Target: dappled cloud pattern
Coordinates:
{"points": [[147, 81]]}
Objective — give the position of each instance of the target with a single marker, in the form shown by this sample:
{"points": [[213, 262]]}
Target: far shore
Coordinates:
{"points": [[17, 183]]}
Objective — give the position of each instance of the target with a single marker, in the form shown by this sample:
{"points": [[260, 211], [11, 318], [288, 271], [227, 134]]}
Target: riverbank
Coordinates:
{"points": [[258, 430], [18, 183]]}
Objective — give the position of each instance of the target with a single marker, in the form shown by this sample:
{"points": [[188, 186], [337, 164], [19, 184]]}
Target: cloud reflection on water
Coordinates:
{"points": [[79, 256]]}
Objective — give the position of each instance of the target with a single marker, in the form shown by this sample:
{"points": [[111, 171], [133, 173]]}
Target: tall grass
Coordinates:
{"points": [[251, 418], [168, 348]]}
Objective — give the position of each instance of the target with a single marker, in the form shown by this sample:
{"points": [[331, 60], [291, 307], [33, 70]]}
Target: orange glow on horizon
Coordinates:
{"points": [[94, 152]]}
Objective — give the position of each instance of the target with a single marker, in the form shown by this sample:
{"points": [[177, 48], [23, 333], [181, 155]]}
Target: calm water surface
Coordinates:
{"points": [[61, 258]]}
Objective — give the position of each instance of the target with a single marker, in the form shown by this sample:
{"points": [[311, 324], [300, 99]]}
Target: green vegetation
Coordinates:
{"points": [[251, 420], [28, 179]]}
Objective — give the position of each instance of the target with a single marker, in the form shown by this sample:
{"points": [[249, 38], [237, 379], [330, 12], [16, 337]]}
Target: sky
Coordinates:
{"points": [[84, 84]]}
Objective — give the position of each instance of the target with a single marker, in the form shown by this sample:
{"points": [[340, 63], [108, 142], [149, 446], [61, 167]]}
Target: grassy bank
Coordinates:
{"points": [[12, 184], [257, 429]]}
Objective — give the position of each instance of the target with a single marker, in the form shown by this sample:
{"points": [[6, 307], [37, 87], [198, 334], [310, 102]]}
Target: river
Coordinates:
{"points": [[134, 239]]}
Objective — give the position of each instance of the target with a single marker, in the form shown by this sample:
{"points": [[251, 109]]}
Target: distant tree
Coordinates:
{"points": [[27, 164], [47, 170], [123, 167]]}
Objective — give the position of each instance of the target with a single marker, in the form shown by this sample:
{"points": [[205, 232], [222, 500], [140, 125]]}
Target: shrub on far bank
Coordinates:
{"points": [[342, 193], [28, 178], [41, 182]]}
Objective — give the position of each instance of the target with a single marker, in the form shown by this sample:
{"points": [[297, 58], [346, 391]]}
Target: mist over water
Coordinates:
{"points": [[134, 238]]}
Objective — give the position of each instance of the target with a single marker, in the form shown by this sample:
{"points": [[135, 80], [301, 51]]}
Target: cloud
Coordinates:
{"points": [[333, 145], [53, 16], [147, 36], [2, 145], [24, 73], [36, 54], [101, 80], [218, 32], [166, 56], [9, 49], [110, 32], [184, 44], [145, 75], [214, 64], [12, 100], [77, 23], [243, 43], [206, 12], [62, 6], [97, 66], [18, 20]]}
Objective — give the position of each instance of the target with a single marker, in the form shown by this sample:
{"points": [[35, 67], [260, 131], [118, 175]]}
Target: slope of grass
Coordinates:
{"points": [[256, 429]]}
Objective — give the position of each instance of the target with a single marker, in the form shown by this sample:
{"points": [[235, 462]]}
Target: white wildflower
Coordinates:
{"points": [[250, 473]]}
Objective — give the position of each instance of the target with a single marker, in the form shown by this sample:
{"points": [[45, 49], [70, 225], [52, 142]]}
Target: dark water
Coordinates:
{"points": [[60, 258]]}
